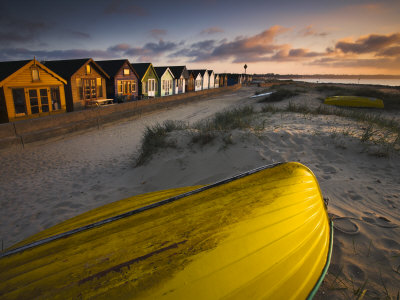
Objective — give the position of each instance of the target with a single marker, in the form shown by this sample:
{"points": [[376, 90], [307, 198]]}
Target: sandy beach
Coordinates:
{"points": [[47, 183]]}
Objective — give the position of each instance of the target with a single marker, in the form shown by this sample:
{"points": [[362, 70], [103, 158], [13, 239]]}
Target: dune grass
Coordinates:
{"points": [[204, 132], [155, 137]]}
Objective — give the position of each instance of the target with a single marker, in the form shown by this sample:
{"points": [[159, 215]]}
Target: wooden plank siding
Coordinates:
{"points": [[23, 80]]}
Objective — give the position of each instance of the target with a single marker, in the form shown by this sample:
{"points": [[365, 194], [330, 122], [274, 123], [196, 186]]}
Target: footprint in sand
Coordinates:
{"points": [[346, 226], [391, 203], [355, 271], [391, 244], [380, 221], [354, 196]]}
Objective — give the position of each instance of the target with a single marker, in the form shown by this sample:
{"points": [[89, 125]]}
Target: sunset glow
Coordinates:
{"points": [[346, 37]]}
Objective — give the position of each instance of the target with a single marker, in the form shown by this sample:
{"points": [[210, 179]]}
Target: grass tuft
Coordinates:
{"points": [[155, 137]]}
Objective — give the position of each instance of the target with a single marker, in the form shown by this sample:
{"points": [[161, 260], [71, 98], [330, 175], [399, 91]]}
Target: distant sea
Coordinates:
{"points": [[378, 81]]}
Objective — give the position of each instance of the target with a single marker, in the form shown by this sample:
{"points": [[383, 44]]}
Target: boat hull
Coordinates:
{"points": [[262, 234], [354, 101]]}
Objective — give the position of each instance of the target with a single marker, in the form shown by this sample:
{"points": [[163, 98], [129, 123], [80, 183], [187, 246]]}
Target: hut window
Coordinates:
{"points": [[88, 69], [34, 101], [126, 72], [44, 100], [79, 88], [19, 101], [119, 87], [133, 86], [35, 74], [99, 83]]}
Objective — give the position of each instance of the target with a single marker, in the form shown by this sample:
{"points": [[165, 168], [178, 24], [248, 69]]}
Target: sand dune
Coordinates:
{"points": [[45, 184]]}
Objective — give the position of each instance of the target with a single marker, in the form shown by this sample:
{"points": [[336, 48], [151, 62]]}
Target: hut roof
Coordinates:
{"points": [[178, 71], [112, 67], [197, 72], [141, 68], [10, 67], [66, 68], [160, 71]]}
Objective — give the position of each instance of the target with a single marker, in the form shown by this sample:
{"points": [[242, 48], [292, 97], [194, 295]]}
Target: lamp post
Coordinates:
{"points": [[245, 67]]}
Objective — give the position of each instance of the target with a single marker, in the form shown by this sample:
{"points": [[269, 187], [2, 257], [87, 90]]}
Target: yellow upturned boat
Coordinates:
{"points": [[264, 234], [354, 101]]}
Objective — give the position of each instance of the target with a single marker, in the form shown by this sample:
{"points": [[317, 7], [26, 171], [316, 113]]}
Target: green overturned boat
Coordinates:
{"points": [[354, 101]]}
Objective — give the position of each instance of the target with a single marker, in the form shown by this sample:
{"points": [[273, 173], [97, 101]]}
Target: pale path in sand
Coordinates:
{"points": [[45, 184]]}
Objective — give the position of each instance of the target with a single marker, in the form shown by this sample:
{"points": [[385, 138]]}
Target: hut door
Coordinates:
{"points": [[151, 85], [89, 89]]}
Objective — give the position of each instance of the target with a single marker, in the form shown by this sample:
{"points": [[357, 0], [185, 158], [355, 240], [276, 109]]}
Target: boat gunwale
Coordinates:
{"points": [[327, 264]]}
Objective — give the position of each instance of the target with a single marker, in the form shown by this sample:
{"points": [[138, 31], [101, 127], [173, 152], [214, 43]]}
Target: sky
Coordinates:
{"points": [[281, 36]]}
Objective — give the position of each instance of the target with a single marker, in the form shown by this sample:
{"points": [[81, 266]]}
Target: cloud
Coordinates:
{"points": [[120, 47], [380, 63], [19, 31], [309, 31], [80, 35], [369, 44], [391, 51], [157, 33], [125, 8], [150, 51], [211, 30], [24, 53], [259, 47]]}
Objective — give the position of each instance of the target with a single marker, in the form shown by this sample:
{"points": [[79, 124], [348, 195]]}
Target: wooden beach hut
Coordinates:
{"points": [[205, 77], [223, 79], [29, 89], [233, 79], [148, 87], [216, 81], [211, 79], [166, 81], [181, 75], [198, 80], [86, 82], [190, 82], [122, 85]]}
